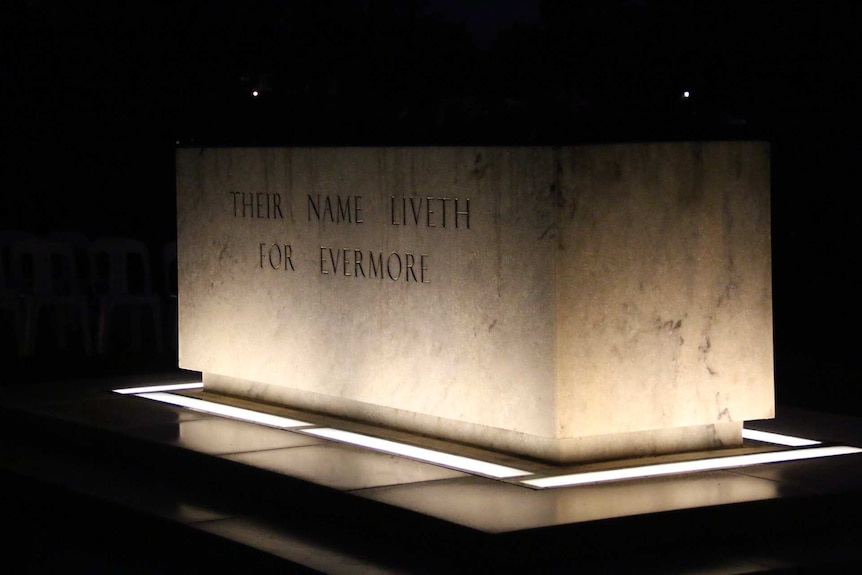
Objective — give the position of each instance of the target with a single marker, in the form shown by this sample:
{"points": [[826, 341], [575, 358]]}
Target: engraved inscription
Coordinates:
{"points": [[429, 211], [341, 210], [276, 256], [257, 205], [394, 266]]}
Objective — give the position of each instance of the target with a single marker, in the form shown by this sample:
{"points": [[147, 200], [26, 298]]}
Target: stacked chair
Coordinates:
{"points": [[57, 287], [121, 277], [45, 276]]}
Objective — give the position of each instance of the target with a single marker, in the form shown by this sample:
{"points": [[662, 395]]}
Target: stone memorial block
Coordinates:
{"points": [[564, 303]]}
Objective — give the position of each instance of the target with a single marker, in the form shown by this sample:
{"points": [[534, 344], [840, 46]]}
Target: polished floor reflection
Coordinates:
{"points": [[320, 503]]}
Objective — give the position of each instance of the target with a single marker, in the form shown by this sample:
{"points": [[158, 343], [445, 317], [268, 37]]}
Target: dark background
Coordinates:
{"points": [[97, 94]]}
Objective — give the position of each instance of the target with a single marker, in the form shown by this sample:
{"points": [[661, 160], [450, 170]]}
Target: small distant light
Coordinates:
{"points": [[686, 94], [255, 93]]}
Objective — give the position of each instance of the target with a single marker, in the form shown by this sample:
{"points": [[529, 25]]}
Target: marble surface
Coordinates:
{"points": [[591, 291], [500, 507], [301, 549], [343, 467], [112, 411], [219, 436]]}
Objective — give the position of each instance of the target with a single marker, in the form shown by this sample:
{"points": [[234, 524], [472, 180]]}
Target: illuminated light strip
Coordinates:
{"points": [[420, 453], [396, 448], [225, 410], [492, 469], [777, 438], [688, 466], [154, 388]]}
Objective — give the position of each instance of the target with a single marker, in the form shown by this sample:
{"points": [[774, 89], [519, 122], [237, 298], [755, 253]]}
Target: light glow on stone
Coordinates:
{"points": [[687, 466], [777, 438], [428, 455], [471, 465], [225, 410], [155, 388]]}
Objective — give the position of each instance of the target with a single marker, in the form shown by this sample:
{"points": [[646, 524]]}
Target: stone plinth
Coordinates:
{"points": [[568, 303]]}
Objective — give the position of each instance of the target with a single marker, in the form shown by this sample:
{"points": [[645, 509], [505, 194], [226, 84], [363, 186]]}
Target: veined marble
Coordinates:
{"points": [[567, 303]]}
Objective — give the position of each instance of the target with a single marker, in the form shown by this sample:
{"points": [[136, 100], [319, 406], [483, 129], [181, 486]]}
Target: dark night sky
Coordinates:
{"points": [[487, 18], [97, 92]]}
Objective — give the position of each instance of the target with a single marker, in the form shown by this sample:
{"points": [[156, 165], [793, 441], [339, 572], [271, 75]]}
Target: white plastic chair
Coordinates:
{"points": [[121, 277], [45, 275], [10, 307], [9, 238], [80, 245]]}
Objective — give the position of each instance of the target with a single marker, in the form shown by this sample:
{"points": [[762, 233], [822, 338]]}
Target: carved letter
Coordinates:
{"points": [[249, 204], [428, 212], [392, 211], [322, 259], [327, 209], [234, 194], [335, 260], [443, 201], [356, 209], [417, 210], [423, 267], [345, 261], [343, 214], [389, 266], [409, 259], [376, 265], [357, 263], [312, 205], [275, 248], [466, 212], [288, 252]]}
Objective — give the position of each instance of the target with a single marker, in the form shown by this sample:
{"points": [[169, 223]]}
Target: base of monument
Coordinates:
{"points": [[549, 449]]}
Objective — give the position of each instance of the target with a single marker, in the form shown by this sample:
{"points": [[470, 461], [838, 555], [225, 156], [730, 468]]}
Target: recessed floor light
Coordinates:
{"points": [[710, 464], [471, 465], [420, 453], [777, 438], [154, 388], [225, 410]]}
